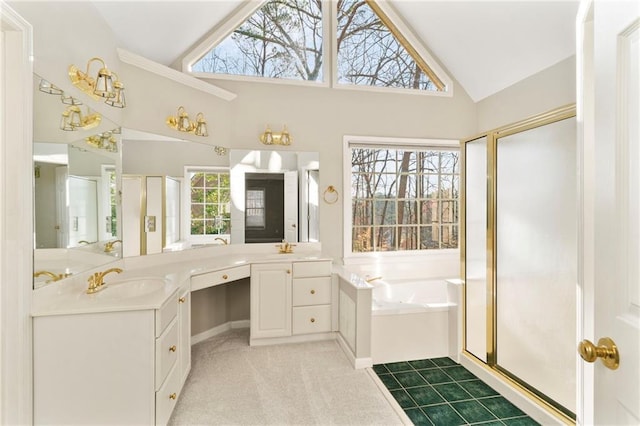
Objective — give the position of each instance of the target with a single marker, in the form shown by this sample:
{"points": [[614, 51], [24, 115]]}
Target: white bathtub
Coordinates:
{"points": [[415, 319]]}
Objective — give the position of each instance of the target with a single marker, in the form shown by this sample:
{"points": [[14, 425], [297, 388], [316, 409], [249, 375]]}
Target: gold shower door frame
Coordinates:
{"points": [[492, 137]]}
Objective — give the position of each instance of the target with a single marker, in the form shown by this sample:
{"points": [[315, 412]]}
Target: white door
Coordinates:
{"points": [[291, 206], [62, 213], [609, 92]]}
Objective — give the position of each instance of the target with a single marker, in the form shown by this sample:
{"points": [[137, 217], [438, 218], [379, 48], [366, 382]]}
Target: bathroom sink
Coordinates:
{"points": [[128, 288]]}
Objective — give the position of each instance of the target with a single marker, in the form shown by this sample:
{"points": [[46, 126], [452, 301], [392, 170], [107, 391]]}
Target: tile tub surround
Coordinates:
{"points": [[439, 391]]}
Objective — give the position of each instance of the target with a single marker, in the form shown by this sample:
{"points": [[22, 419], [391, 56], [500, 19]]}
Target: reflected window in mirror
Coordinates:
{"points": [[255, 215], [109, 190], [209, 205]]}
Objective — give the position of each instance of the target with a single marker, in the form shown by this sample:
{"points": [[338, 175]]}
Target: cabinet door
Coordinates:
{"points": [[271, 300], [184, 324]]}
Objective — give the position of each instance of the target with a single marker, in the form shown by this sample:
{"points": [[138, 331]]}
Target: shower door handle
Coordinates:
{"points": [[606, 350]]}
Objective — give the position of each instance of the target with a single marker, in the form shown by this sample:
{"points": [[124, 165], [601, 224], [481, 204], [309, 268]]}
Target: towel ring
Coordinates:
{"points": [[330, 195]]}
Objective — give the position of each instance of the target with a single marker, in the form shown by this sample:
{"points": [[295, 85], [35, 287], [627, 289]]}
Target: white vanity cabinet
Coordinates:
{"points": [[311, 309], [117, 367], [290, 299], [270, 300]]}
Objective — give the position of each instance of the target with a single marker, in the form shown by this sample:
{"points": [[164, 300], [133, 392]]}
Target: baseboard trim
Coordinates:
{"points": [[200, 337], [357, 363], [292, 339], [390, 399]]}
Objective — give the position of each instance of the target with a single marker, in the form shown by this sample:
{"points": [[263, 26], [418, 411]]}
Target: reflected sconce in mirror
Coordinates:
{"points": [[106, 141], [73, 119], [105, 84], [220, 150], [269, 137], [49, 88], [182, 123], [69, 100]]}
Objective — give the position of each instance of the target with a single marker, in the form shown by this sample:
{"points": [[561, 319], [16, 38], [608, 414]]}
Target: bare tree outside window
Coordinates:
{"points": [[283, 39], [404, 199], [370, 55]]}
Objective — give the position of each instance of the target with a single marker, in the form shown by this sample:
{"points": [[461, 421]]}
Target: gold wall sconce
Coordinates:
{"points": [[182, 123], [269, 137], [73, 119], [106, 84], [106, 141]]}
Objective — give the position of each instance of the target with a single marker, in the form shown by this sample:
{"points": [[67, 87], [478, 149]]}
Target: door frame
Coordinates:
{"points": [[16, 217], [585, 115]]}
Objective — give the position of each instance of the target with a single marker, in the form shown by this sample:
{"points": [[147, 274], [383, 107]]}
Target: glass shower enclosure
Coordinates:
{"points": [[519, 254]]}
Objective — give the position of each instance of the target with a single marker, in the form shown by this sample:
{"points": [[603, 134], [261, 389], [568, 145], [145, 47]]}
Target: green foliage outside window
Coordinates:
{"points": [[210, 203]]}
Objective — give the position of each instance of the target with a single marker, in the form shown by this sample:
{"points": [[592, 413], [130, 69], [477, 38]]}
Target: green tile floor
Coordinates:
{"points": [[440, 392]]}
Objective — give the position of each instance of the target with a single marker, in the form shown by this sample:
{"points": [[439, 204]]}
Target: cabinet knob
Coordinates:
{"points": [[225, 276], [288, 271], [182, 299], [173, 348], [173, 396], [313, 320], [313, 292]]}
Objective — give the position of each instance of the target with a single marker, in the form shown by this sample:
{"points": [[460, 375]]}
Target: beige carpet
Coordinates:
{"points": [[295, 384]]}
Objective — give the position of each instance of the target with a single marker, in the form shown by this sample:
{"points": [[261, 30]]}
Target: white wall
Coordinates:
{"points": [[167, 158], [550, 88]]}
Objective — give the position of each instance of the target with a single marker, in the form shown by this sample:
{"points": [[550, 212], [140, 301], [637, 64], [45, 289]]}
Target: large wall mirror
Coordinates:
{"points": [[75, 189], [179, 194]]}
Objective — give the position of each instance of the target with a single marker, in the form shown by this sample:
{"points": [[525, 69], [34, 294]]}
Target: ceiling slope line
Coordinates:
{"points": [[177, 76]]}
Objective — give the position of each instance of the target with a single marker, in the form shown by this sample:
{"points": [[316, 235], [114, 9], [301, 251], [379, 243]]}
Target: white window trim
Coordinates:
{"points": [[330, 52], [185, 222], [384, 142]]}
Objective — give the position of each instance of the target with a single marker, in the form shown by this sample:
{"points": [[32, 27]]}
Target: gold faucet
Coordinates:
{"points": [[224, 241], [285, 247], [372, 279], [108, 247], [54, 277], [96, 282]]}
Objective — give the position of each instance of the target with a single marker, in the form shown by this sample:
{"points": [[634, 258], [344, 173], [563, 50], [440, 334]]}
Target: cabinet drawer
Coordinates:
{"points": [[311, 319], [166, 314], [311, 269], [222, 276], [167, 396], [311, 291], [166, 352]]}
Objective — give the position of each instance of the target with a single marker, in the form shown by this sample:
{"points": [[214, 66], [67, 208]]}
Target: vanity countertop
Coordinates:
{"points": [[69, 296]]}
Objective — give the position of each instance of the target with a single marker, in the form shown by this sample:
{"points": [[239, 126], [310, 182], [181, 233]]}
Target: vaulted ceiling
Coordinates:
{"points": [[486, 45]]}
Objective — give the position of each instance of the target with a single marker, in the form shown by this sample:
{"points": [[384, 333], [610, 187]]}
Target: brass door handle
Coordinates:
{"points": [[182, 299], [173, 348], [173, 396], [606, 350]]}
